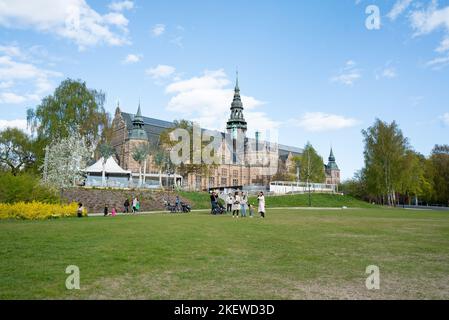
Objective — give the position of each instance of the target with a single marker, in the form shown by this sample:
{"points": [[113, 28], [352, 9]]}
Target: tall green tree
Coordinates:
{"points": [[385, 149], [414, 183], [73, 107], [311, 165], [17, 151], [439, 163]]}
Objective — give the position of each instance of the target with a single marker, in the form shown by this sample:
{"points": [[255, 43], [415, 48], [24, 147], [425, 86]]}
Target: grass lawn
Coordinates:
{"points": [[201, 200], [293, 254]]}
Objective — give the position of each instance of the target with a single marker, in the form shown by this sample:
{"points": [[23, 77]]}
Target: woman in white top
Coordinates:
{"points": [[261, 200], [236, 205], [229, 202]]}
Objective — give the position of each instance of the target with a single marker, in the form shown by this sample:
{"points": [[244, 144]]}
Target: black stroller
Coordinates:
{"points": [[185, 207], [218, 208], [170, 207]]}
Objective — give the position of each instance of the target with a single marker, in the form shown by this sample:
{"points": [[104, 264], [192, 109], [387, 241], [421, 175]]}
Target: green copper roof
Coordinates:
{"points": [[332, 165], [137, 132], [236, 119]]}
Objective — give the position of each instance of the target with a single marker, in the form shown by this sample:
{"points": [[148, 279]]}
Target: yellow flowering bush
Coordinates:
{"points": [[37, 210]]}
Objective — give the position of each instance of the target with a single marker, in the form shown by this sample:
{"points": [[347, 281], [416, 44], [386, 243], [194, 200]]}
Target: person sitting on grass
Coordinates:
{"points": [[113, 211], [80, 210]]}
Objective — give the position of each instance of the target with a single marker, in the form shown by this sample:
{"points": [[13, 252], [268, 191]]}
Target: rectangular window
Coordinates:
{"points": [[224, 182], [211, 181], [224, 172], [236, 173], [235, 182]]}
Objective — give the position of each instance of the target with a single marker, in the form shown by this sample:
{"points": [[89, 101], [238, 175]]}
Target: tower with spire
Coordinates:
{"points": [[236, 121], [332, 170], [138, 132]]}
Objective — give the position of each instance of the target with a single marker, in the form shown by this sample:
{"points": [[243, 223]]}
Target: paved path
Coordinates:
{"points": [[208, 210]]}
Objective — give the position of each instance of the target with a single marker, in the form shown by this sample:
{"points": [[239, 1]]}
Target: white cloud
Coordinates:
{"points": [[430, 19], [445, 119], [11, 98], [207, 99], [438, 63], [348, 75], [320, 122], [399, 7], [6, 84], [17, 123], [12, 51], [161, 72], [132, 58], [16, 74], [178, 41], [121, 5], [158, 30], [70, 19], [388, 72]]}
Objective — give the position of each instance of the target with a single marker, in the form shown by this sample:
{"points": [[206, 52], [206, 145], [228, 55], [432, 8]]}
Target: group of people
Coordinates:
{"points": [[238, 203], [134, 204]]}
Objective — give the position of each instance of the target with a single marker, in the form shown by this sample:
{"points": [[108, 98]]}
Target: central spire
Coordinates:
{"points": [[138, 132], [236, 119]]}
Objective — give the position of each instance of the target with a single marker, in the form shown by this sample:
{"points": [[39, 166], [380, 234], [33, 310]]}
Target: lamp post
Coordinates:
{"points": [[308, 176]]}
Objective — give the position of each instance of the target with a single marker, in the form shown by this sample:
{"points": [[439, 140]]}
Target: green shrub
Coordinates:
{"points": [[25, 188]]}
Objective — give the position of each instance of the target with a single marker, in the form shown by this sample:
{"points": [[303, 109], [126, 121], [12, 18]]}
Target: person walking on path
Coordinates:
{"points": [[106, 210], [134, 205], [229, 202], [137, 204], [261, 199], [126, 205], [236, 205], [243, 202]]}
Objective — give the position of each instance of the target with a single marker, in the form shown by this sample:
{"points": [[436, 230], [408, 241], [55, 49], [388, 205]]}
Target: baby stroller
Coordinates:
{"points": [[170, 207], [218, 208], [185, 207]]}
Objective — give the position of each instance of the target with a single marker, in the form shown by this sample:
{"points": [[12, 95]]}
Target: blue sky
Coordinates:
{"points": [[308, 70]]}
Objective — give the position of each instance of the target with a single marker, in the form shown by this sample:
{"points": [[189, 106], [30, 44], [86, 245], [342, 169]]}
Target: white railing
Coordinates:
{"points": [[284, 187]]}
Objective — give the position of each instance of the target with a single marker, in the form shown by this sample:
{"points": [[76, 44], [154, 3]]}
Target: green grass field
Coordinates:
{"points": [[201, 200], [293, 254]]}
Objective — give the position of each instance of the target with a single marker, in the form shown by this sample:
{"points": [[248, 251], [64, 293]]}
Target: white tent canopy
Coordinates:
{"points": [[111, 167]]}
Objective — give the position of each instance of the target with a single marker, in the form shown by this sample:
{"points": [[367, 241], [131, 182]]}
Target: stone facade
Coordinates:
{"points": [[256, 165]]}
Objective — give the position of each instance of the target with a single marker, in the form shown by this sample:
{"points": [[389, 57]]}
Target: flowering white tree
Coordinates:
{"points": [[65, 160]]}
